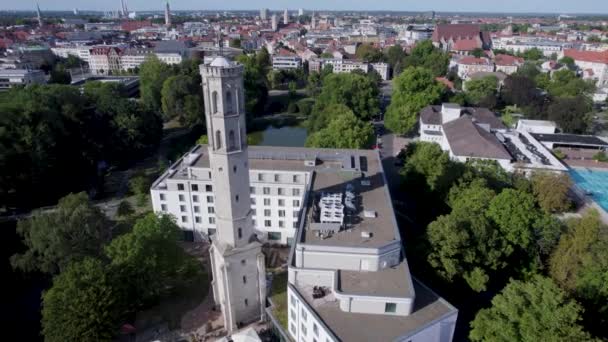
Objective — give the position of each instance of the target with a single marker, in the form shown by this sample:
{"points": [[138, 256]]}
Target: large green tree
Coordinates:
{"points": [[465, 243], [413, 89], [515, 213], [565, 83], [425, 55], [82, 304], [355, 91], [152, 75], [182, 99], [536, 310], [579, 263], [343, 131], [571, 113], [551, 191], [74, 230], [395, 56], [369, 53], [432, 164], [148, 260], [482, 92], [254, 78]]}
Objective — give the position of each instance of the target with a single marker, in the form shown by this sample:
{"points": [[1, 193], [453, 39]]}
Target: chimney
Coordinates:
{"points": [[450, 112]]}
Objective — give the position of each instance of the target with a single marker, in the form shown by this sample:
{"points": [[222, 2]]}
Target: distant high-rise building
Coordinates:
{"points": [[285, 17], [300, 12], [123, 8], [167, 15], [313, 21], [264, 13], [75, 11], [275, 22], [39, 15]]}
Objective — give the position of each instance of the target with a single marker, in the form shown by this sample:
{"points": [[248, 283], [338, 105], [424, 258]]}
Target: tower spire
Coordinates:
{"points": [[39, 15], [167, 15]]}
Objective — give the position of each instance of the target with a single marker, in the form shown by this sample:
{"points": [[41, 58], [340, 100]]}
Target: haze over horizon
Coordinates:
{"points": [[487, 6]]}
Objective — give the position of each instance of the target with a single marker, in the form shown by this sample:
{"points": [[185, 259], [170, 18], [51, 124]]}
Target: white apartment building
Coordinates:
{"points": [[348, 277], [382, 69], [14, 77], [476, 133], [132, 58], [282, 62], [105, 59], [276, 195], [523, 44], [80, 51], [469, 65], [594, 65]]}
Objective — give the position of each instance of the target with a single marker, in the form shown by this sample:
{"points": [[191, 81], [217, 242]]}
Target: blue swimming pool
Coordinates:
{"points": [[594, 182]]}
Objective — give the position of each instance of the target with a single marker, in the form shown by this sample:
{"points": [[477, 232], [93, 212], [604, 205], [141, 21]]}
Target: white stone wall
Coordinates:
{"points": [[302, 324]]}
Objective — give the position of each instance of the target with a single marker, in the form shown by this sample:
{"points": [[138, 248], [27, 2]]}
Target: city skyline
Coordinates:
{"points": [[515, 6]]}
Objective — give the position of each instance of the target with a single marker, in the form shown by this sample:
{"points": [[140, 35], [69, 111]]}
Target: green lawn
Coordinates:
{"points": [[278, 296]]}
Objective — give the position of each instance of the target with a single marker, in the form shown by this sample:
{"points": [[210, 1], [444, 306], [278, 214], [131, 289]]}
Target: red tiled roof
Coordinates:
{"points": [[473, 61], [445, 82], [455, 31], [587, 56], [501, 59], [466, 44]]}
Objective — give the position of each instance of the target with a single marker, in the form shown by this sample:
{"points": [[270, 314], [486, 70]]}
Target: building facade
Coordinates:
{"points": [[16, 77]]}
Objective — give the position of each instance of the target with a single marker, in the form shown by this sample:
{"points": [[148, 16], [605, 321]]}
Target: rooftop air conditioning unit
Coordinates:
{"points": [[369, 213], [366, 183], [366, 235]]}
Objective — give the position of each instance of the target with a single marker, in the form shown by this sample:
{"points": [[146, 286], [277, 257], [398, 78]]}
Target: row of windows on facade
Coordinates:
{"points": [[211, 210], [267, 223], [265, 190], [280, 191], [196, 199]]}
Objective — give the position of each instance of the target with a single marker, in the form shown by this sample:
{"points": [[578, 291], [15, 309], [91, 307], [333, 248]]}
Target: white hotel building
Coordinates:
{"points": [[348, 278]]}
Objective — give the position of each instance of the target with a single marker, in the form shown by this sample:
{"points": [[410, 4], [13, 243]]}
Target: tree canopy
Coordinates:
{"points": [[344, 130], [254, 78], [425, 55], [551, 191], [369, 53], [152, 75], [482, 92], [182, 99], [74, 230], [82, 304], [579, 263], [357, 92], [536, 310], [413, 89]]}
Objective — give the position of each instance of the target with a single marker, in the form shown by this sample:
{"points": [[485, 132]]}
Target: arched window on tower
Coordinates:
{"points": [[218, 139], [229, 102], [231, 141], [214, 101]]}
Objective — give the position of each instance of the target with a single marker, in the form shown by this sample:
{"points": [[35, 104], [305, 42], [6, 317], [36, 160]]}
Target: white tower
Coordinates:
{"points": [[39, 15], [239, 273], [313, 21], [167, 15], [285, 18], [264, 13], [275, 24], [300, 12]]}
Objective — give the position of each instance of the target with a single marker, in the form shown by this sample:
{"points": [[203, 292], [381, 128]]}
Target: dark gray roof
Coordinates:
{"points": [[571, 139], [170, 46], [467, 139], [431, 115]]}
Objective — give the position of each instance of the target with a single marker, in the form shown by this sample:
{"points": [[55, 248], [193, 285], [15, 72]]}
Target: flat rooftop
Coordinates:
{"points": [[354, 327], [571, 139], [389, 282], [373, 197]]}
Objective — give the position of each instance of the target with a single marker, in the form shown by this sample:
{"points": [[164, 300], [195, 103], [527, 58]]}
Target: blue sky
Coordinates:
{"points": [[553, 6]]}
